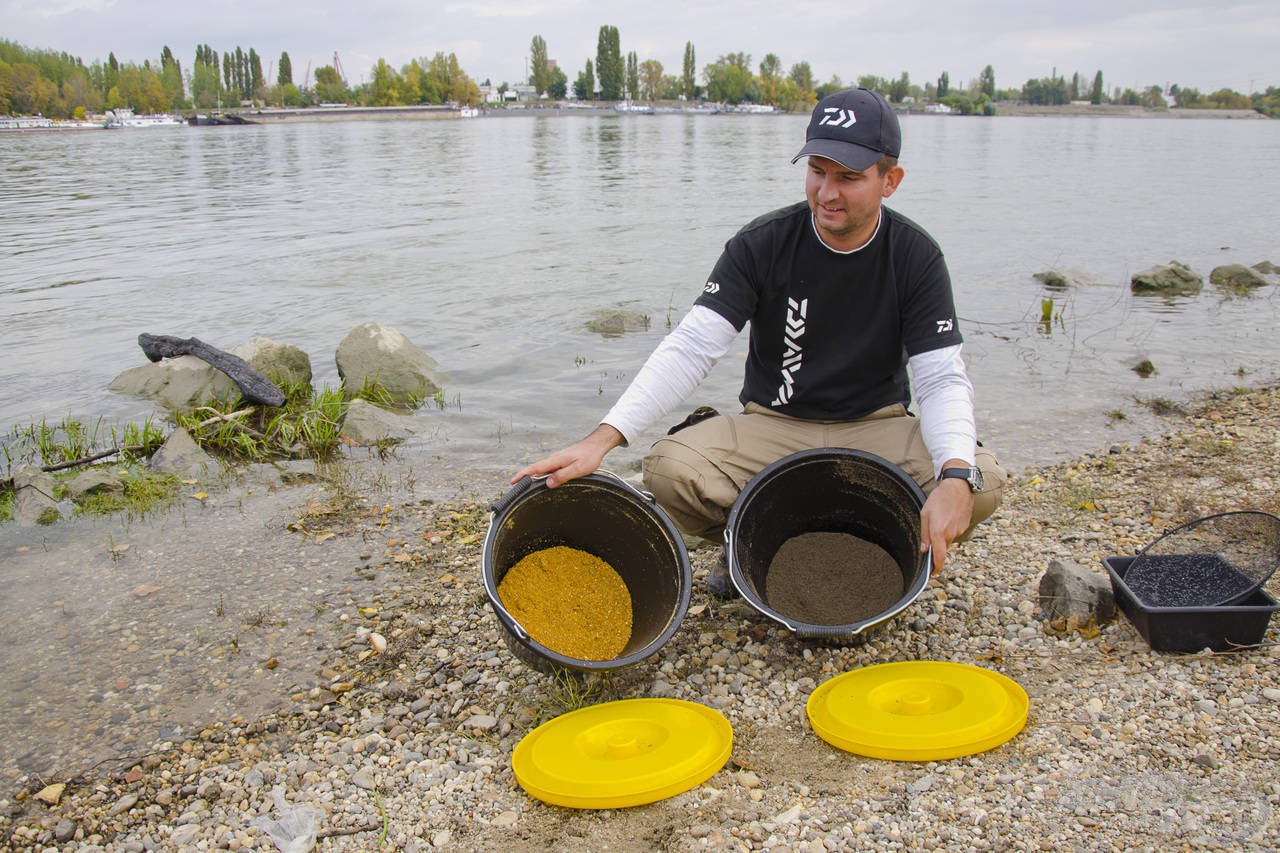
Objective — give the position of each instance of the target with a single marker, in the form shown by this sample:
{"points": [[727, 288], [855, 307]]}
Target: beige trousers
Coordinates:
{"points": [[697, 473]]}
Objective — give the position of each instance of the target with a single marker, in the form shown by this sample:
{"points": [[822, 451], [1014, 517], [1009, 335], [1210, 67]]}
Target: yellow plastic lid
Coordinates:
{"points": [[918, 710], [623, 753]]}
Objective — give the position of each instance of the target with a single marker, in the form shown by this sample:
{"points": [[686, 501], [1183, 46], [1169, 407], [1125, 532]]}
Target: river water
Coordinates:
{"points": [[491, 242]]}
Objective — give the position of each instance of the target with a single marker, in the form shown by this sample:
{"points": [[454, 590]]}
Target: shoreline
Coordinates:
{"points": [[1124, 747], [270, 115]]}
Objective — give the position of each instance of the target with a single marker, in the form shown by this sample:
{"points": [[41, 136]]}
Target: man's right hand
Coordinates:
{"points": [[576, 460]]}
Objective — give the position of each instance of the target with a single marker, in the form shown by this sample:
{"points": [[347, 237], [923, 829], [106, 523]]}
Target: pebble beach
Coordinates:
{"points": [[396, 727]]}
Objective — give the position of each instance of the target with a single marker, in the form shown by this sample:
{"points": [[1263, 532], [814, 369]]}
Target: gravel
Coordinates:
{"points": [[408, 745]]}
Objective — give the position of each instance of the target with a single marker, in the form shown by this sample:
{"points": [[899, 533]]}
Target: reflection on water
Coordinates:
{"points": [[489, 242]]}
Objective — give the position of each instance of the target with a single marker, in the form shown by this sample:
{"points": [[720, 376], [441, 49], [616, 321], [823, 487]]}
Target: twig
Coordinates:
{"points": [[84, 460], [351, 830], [229, 419]]}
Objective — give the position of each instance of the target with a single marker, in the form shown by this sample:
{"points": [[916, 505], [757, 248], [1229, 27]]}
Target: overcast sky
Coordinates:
{"points": [[1134, 43]]}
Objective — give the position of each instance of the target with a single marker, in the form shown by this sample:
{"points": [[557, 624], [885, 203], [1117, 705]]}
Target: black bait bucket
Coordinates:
{"points": [[609, 518], [827, 490]]}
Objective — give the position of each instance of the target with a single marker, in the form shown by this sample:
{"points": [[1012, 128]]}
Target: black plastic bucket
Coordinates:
{"points": [[827, 490], [604, 516]]}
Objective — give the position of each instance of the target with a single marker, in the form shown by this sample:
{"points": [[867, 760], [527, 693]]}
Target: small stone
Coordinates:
{"points": [[748, 779], [1207, 706], [1204, 759], [1271, 694], [123, 804], [483, 722], [184, 834], [363, 779], [507, 818], [65, 830], [443, 838], [209, 789]]}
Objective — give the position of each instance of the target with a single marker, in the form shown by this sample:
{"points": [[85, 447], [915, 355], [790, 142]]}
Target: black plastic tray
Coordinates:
{"points": [[1190, 629]]}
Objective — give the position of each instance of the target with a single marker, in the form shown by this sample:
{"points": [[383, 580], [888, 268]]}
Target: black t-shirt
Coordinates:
{"points": [[831, 332]]}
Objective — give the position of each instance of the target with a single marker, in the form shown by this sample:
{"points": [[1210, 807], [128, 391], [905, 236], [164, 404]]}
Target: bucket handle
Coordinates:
{"points": [[527, 483], [513, 494]]}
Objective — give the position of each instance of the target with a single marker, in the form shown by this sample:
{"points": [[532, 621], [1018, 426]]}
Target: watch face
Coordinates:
{"points": [[972, 476]]}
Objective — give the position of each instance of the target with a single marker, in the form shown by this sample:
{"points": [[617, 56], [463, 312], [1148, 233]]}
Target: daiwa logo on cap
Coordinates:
{"points": [[838, 117]]}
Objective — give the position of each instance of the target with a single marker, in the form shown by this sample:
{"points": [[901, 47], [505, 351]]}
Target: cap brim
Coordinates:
{"points": [[847, 154]]}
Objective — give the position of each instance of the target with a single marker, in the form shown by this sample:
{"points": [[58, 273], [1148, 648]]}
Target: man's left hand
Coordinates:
{"points": [[946, 514]]}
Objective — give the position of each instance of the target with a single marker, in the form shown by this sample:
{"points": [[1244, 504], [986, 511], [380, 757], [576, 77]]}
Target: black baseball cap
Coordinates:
{"points": [[854, 127]]}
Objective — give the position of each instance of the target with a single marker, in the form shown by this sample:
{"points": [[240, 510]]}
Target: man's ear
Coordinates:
{"points": [[892, 179]]}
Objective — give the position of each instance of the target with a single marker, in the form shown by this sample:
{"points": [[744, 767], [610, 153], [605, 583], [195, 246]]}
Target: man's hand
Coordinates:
{"points": [[576, 460], [946, 514]]}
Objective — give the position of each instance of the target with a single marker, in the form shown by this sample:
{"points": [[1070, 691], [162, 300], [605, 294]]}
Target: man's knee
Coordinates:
{"points": [[692, 490]]}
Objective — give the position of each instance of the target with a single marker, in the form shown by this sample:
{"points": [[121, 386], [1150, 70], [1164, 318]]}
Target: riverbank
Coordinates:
{"points": [[410, 746]]}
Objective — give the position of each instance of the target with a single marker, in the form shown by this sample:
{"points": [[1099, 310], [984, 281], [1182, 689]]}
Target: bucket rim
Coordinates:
{"points": [[529, 487], [798, 627]]}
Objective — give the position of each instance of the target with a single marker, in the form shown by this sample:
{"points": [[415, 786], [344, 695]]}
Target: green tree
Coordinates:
{"points": [[609, 63], [987, 83], [729, 78], [1097, 95], [558, 88], [944, 85], [541, 70], [171, 80], [284, 70], [900, 89], [875, 83], [1153, 98], [633, 75], [584, 88], [802, 75], [1046, 91], [384, 85], [651, 80], [689, 74], [771, 79], [828, 88], [256, 78], [329, 86]]}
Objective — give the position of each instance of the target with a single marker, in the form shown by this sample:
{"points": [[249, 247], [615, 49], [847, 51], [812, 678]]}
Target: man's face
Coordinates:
{"points": [[846, 203]]}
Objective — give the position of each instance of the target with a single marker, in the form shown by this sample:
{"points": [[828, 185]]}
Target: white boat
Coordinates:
{"points": [[25, 123], [125, 117], [468, 112]]}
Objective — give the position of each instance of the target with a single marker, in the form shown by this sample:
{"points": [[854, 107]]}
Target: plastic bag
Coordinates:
{"points": [[295, 830]]}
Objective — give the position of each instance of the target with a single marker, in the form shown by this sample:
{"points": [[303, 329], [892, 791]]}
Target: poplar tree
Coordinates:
{"points": [[284, 74], [540, 69], [633, 75], [689, 76], [609, 67]]}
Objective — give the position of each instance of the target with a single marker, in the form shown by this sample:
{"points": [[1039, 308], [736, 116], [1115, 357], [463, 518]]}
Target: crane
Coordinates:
{"points": [[337, 66]]}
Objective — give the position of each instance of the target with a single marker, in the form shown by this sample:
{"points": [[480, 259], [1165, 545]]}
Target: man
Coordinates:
{"points": [[842, 295]]}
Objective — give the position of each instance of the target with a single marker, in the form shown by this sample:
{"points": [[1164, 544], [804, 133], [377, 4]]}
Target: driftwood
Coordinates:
{"points": [[7, 483], [255, 387]]}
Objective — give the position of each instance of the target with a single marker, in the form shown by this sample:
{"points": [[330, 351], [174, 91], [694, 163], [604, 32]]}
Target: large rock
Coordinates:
{"points": [[612, 322], [1071, 592], [1266, 268], [372, 353], [366, 425], [1237, 279], [33, 496], [181, 455], [94, 481], [186, 382], [1171, 279]]}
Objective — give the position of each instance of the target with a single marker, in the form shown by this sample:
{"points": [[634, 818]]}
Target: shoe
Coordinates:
{"points": [[719, 584]]}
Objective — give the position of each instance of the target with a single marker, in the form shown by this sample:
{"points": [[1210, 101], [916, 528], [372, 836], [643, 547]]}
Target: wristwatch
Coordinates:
{"points": [[972, 476]]}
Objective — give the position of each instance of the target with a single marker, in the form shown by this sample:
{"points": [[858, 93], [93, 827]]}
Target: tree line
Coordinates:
{"points": [[59, 85]]}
